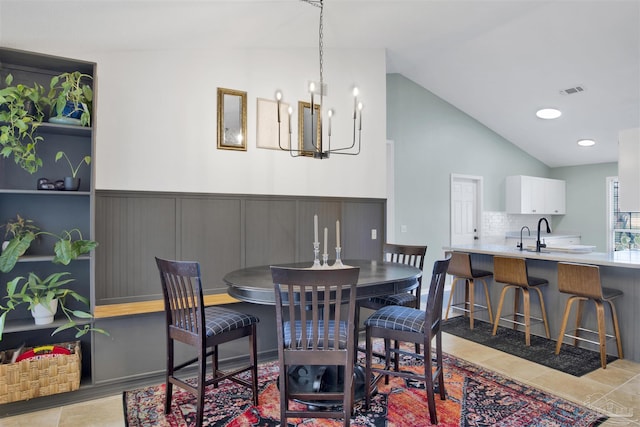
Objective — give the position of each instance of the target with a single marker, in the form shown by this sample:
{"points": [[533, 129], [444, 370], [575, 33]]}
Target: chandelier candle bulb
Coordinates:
{"points": [[355, 102], [290, 111], [278, 98], [337, 234], [315, 229]]}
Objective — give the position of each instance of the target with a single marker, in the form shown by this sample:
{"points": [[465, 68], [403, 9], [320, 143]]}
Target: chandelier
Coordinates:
{"points": [[319, 151]]}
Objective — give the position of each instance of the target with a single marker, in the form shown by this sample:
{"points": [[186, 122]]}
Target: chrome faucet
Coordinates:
{"points": [[521, 245], [540, 245]]}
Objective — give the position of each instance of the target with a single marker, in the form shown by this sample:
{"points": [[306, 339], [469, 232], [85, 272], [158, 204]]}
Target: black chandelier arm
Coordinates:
{"points": [[340, 150]]}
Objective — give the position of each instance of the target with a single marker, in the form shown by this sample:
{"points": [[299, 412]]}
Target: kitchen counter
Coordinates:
{"points": [[618, 270], [626, 259]]}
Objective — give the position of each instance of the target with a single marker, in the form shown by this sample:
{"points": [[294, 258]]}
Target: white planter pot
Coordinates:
{"points": [[43, 315]]}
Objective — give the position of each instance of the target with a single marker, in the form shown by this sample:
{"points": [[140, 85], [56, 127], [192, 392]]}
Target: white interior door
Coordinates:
{"points": [[466, 196]]}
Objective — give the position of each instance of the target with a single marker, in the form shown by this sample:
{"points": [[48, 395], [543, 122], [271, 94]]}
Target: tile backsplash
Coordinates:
{"points": [[496, 224]]}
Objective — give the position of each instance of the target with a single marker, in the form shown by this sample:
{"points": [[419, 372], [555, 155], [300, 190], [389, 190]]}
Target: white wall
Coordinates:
{"points": [[156, 122], [433, 140]]}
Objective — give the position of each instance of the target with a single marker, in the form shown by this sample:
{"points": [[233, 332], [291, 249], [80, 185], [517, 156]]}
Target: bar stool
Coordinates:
{"points": [[461, 269], [583, 283], [512, 272]]}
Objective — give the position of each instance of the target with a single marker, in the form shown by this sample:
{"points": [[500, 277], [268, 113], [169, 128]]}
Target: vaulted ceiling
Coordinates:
{"points": [[498, 61]]}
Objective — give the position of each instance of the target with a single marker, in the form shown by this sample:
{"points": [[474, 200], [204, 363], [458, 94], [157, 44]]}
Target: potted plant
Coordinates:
{"points": [[20, 115], [46, 295], [17, 229], [71, 98], [72, 182], [65, 249]]}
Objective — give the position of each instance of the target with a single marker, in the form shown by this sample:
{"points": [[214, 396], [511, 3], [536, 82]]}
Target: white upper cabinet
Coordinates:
{"points": [[554, 196], [535, 195]]}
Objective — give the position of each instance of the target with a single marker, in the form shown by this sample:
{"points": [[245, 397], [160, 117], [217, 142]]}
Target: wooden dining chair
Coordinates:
{"points": [[314, 334], [188, 321], [404, 254], [407, 324]]}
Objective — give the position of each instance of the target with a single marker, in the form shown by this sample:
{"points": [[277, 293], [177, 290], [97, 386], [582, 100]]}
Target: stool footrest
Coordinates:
{"points": [[463, 306], [533, 319], [569, 334]]}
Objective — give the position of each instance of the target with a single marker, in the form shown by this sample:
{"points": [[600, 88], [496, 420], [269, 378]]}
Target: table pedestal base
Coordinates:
{"points": [[311, 378]]}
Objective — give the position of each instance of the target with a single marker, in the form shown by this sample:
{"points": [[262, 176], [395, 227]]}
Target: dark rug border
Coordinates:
{"points": [[576, 361]]}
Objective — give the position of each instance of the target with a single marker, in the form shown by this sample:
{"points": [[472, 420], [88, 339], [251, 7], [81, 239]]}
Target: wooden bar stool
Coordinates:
{"points": [[512, 272], [461, 269], [583, 283]]}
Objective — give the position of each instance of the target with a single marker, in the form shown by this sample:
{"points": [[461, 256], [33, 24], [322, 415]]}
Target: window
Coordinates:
{"points": [[624, 227]]}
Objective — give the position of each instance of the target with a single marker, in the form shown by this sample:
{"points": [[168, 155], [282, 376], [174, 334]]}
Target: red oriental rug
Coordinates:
{"points": [[475, 397]]}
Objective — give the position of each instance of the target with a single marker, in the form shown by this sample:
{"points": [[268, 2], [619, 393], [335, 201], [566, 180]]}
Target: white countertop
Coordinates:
{"points": [[625, 259]]}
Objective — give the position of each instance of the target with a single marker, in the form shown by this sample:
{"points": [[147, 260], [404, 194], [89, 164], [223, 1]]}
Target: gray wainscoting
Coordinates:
{"points": [[224, 233]]}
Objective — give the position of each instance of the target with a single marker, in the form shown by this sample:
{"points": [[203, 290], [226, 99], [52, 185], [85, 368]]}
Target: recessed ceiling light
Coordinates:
{"points": [[548, 113], [586, 142]]}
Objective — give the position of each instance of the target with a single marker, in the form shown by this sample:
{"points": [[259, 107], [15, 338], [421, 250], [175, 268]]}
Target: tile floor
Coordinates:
{"points": [[615, 391]]}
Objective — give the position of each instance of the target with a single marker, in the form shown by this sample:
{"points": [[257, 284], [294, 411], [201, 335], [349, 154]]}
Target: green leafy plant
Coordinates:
{"points": [[65, 249], [71, 87], [74, 171], [34, 290], [20, 115]]}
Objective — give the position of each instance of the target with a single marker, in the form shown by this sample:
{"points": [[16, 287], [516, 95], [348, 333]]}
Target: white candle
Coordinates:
{"points": [[337, 234], [315, 229], [326, 231]]}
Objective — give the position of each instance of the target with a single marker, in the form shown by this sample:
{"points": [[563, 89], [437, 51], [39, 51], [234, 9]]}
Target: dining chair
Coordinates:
{"points": [[188, 321], [315, 332], [412, 325], [403, 254]]}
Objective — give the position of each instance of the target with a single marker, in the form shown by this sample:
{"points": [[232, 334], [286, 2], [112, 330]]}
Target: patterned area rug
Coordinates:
{"points": [[572, 360], [475, 397]]}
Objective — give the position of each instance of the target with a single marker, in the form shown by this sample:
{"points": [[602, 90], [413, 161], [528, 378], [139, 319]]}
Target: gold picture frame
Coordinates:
{"points": [[305, 127], [232, 119]]}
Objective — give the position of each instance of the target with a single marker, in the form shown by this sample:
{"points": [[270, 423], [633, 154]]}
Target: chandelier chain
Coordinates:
{"points": [[321, 47]]}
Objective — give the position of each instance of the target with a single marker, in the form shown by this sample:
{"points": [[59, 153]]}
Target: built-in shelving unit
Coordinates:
{"points": [[51, 210]]}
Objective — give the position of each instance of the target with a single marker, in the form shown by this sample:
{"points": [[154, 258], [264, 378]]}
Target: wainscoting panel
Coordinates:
{"points": [[131, 229], [270, 228], [222, 232], [211, 233]]}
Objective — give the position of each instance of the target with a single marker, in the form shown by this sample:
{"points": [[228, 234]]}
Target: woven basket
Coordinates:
{"points": [[41, 375]]}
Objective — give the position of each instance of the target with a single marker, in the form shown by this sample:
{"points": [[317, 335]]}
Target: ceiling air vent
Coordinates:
{"points": [[572, 90]]}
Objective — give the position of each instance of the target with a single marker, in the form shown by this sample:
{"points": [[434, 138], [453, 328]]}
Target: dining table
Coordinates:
{"points": [[376, 278]]}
